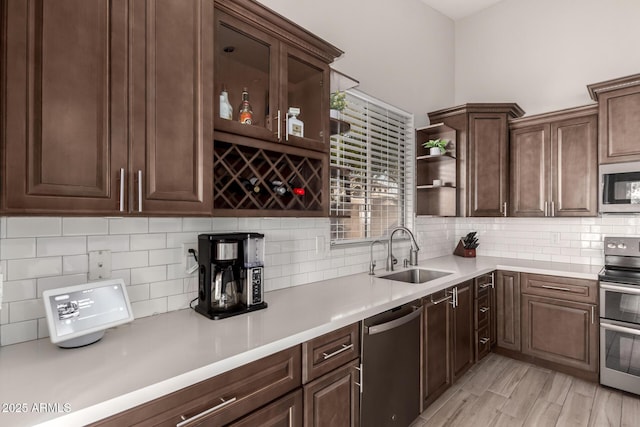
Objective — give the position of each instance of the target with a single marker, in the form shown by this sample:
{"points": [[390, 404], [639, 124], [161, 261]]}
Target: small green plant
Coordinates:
{"points": [[338, 101], [436, 143]]}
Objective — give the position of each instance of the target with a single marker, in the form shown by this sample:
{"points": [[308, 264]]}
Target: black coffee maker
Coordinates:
{"points": [[230, 274]]}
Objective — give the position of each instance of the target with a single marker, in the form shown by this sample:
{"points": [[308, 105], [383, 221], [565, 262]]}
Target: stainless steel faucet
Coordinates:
{"points": [[413, 252], [372, 262]]}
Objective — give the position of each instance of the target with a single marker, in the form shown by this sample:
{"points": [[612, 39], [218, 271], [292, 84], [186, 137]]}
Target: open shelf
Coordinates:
{"points": [[432, 187], [439, 158], [339, 127]]}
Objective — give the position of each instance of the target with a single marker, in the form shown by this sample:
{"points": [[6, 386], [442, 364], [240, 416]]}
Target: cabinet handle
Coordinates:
{"points": [[139, 191], [121, 189], [286, 127], [202, 414], [359, 369], [483, 341], [546, 208], [441, 300], [593, 314], [553, 208], [487, 285], [504, 209], [279, 127], [556, 288], [484, 309], [344, 348]]}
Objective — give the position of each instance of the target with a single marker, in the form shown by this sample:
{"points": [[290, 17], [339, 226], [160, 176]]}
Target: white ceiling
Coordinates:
{"points": [[457, 9]]}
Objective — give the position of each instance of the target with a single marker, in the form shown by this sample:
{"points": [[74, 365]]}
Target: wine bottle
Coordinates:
{"points": [[245, 116], [226, 111], [251, 184], [281, 189]]}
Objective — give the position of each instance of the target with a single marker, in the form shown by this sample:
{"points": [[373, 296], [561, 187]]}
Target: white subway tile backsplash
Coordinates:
{"points": [[56, 282], [166, 288], [122, 260], [31, 268], [224, 224], [43, 328], [33, 227], [20, 311], [108, 243], [75, 264], [84, 226], [54, 246], [197, 224], [148, 274], [165, 225], [18, 248], [14, 333], [19, 290], [128, 225], [165, 256], [179, 302], [149, 307], [138, 292], [141, 242]]}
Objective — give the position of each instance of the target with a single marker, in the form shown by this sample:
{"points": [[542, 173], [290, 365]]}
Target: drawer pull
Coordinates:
{"points": [[441, 300], [202, 414], [484, 309], [483, 341], [556, 288], [344, 348], [487, 285]]}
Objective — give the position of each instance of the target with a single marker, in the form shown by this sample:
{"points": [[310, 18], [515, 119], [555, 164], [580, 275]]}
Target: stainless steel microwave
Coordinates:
{"points": [[620, 188]]}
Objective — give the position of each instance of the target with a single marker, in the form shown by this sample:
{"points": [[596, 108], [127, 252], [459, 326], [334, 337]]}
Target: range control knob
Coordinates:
{"points": [[622, 246], [611, 245]]}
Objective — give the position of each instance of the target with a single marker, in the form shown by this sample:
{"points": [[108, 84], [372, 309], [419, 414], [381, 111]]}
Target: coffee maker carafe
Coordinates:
{"points": [[230, 274]]}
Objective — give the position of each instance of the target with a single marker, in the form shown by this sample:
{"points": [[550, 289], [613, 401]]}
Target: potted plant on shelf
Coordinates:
{"points": [[337, 103], [436, 146]]}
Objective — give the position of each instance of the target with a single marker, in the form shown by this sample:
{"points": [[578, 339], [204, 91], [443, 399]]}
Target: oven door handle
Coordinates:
{"points": [[620, 288], [619, 328]]}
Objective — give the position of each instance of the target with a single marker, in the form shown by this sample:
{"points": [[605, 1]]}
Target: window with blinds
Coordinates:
{"points": [[371, 170]]}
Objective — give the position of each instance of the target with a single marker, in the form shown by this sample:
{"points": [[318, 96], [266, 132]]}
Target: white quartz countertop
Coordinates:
{"points": [[156, 355]]}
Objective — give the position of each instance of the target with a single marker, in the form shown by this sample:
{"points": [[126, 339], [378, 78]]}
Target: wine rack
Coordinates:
{"points": [[235, 165]]}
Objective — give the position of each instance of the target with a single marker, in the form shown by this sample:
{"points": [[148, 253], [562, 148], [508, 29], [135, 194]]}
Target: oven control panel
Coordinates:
{"points": [[623, 246]]}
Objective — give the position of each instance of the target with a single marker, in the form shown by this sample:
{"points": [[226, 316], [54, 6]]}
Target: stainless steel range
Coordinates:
{"points": [[620, 314]]}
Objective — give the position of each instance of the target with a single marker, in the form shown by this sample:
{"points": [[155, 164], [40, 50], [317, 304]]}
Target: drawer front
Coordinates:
{"points": [[483, 310], [566, 288], [221, 399], [284, 412], [483, 342], [330, 351], [482, 284]]}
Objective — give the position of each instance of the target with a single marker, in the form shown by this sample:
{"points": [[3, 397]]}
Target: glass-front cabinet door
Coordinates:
{"points": [[246, 65], [306, 100]]}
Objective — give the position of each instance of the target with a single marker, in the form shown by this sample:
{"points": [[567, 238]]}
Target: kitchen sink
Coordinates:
{"points": [[415, 275]]}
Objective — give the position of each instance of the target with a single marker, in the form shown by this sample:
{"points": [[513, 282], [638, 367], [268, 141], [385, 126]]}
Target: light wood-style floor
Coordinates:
{"points": [[499, 391]]}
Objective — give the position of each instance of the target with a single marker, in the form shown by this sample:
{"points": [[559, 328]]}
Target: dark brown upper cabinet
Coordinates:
{"points": [[554, 166], [108, 107], [281, 65], [482, 155], [619, 127]]}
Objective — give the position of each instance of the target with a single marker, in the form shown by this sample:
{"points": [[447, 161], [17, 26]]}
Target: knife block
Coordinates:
{"points": [[461, 251]]}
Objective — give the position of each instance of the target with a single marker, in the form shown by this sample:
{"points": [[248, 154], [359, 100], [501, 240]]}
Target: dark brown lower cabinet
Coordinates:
{"points": [[284, 412], [508, 310], [333, 400], [449, 338], [485, 314], [223, 399]]}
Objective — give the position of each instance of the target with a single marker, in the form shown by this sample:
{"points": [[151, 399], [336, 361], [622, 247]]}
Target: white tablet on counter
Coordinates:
{"points": [[78, 315]]}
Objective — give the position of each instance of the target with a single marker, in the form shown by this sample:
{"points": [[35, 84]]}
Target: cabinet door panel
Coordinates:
{"points": [[437, 321], [529, 171], [574, 167], [66, 105], [508, 310], [334, 399], [488, 164], [284, 412], [171, 122], [560, 331], [463, 338], [618, 116]]}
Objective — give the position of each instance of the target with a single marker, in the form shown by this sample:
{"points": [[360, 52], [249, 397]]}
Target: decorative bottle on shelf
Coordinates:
{"points": [[281, 189], [295, 126], [226, 110], [245, 116]]}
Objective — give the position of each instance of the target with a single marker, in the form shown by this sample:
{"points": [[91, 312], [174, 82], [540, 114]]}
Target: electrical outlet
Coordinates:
{"points": [[99, 265], [188, 260]]}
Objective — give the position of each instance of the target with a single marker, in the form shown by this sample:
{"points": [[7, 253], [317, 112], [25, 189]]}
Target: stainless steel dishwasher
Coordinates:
{"points": [[391, 367]]}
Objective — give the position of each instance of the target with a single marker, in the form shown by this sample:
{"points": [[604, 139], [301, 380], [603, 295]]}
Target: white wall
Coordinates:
{"points": [[542, 53], [400, 51]]}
